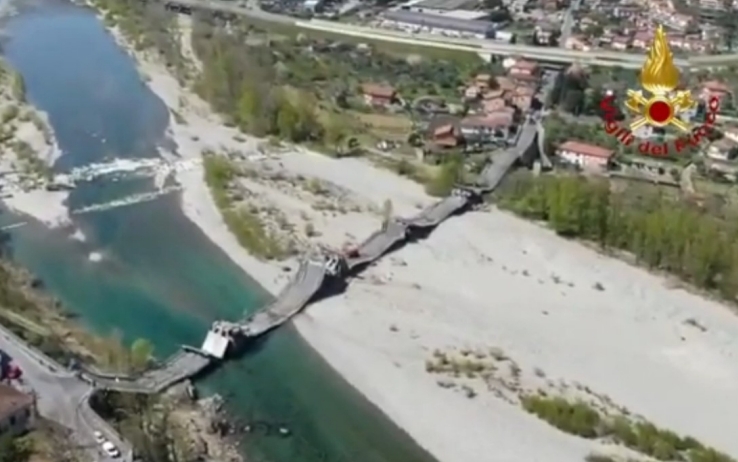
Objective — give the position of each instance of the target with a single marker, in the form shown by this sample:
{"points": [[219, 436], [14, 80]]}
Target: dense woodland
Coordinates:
{"points": [[698, 244]]}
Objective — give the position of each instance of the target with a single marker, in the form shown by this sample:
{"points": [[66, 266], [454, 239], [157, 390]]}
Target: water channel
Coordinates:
{"points": [[160, 278]]}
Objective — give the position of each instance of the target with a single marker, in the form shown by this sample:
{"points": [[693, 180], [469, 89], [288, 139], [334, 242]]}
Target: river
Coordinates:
{"points": [[160, 278]]}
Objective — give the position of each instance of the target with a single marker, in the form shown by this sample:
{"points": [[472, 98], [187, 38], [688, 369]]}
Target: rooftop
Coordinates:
{"points": [[586, 149], [440, 22], [11, 400], [444, 4]]}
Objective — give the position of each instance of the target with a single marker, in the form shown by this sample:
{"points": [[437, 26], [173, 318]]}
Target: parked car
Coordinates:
{"points": [[110, 449], [99, 438]]}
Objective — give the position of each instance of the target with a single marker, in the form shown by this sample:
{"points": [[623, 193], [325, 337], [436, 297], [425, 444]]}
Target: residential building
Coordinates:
{"points": [[17, 410], [714, 88], [577, 43], [493, 105], [445, 136], [620, 43], [522, 97], [505, 83], [585, 156], [524, 69], [483, 81], [544, 32], [642, 39], [378, 95], [731, 133], [475, 129], [721, 149]]}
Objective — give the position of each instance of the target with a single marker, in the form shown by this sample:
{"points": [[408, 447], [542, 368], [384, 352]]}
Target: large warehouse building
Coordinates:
{"points": [[447, 24]]}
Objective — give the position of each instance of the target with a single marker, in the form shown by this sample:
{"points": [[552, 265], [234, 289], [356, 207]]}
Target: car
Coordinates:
{"points": [[99, 438], [110, 449]]}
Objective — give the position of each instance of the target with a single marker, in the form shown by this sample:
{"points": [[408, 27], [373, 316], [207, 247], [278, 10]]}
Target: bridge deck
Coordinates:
{"points": [[307, 281], [436, 213], [377, 244], [178, 367]]}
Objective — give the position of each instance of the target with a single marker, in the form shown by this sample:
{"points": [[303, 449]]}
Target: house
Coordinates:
{"points": [[505, 83], [522, 98], [585, 156], [642, 39], [524, 69], [472, 92], [378, 95], [714, 88], [731, 133], [620, 42], [494, 94], [493, 105], [577, 43], [544, 32], [445, 136], [483, 81], [721, 149], [17, 410], [476, 129]]}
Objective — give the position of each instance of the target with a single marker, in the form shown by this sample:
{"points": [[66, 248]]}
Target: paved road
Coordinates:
{"points": [[61, 397], [568, 23]]}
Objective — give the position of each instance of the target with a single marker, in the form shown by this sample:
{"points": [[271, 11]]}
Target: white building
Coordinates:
{"points": [[585, 156]]}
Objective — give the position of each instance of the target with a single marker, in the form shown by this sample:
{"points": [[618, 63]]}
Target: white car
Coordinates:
{"points": [[99, 438], [110, 449]]}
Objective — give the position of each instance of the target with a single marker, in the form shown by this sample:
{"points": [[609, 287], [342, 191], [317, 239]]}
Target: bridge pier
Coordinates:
{"points": [[220, 337]]}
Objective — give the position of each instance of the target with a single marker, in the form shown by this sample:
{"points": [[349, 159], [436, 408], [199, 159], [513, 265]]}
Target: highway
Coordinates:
{"points": [[549, 54]]}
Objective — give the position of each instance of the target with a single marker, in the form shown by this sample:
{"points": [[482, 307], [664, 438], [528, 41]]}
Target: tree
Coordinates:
{"points": [[141, 353], [11, 449]]}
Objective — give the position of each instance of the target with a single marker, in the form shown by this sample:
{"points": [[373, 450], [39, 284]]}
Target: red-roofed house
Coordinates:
{"points": [[585, 156], [378, 95], [714, 88], [445, 136], [17, 410], [480, 128]]}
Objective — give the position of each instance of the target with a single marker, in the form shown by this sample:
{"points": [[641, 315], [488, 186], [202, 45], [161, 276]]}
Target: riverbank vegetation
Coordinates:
{"points": [[696, 242], [41, 321], [221, 176], [144, 421], [148, 26], [23, 132], [581, 419]]}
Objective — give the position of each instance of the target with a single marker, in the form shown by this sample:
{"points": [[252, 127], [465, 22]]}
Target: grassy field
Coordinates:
{"points": [[395, 127]]}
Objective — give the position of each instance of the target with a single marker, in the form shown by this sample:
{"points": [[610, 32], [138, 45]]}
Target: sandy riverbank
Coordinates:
{"points": [[484, 280], [28, 148]]}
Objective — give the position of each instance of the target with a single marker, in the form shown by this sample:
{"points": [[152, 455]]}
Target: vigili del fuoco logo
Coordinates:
{"points": [[660, 106]]}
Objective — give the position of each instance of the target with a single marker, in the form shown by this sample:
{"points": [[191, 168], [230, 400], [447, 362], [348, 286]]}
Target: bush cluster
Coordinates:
{"points": [[581, 419]]}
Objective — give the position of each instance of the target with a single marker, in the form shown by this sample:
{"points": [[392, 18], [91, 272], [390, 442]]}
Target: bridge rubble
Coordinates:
{"points": [[314, 272]]}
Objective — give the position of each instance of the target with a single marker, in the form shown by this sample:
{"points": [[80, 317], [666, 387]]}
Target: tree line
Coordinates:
{"points": [[243, 84], [697, 244]]}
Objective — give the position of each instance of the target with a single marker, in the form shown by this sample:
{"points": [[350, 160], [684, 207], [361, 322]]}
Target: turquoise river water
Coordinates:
{"points": [[160, 277]]}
